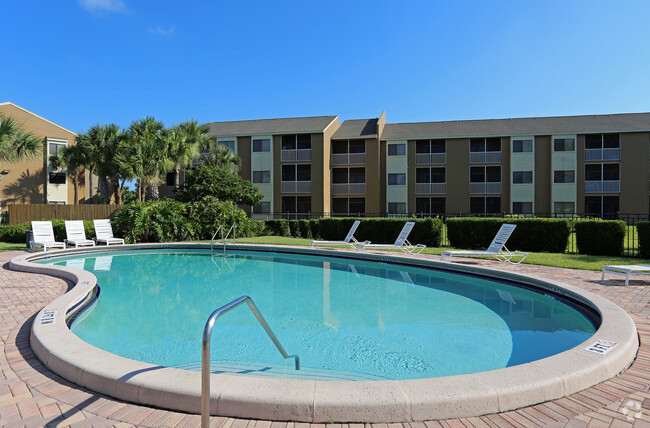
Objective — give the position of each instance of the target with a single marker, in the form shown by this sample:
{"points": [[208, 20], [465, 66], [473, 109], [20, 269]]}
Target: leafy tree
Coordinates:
{"points": [[222, 157], [183, 142], [16, 144], [210, 180], [73, 159]]}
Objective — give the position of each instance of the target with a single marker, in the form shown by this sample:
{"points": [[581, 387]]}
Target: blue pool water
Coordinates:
{"points": [[352, 319]]}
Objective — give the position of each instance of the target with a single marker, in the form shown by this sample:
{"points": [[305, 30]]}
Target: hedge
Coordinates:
{"points": [[532, 234], [277, 227], [427, 231], [600, 237], [643, 234]]}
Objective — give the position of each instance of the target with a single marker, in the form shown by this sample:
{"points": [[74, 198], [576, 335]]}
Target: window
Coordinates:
{"points": [[263, 145], [522, 146], [296, 204], [262, 176], [430, 206], [564, 176], [262, 208], [57, 178], [430, 146], [598, 172], [602, 141], [606, 207], [304, 141], [345, 206], [483, 206], [485, 144], [430, 175], [522, 177], [230, 144], [288, 142], [564, 145], [397, 179], [396, 149], [299, 172], [357, 146], [288, 173], [482, 174], [54, 148], [564, 207], [170, 178], [397, 208], [522, 207]]}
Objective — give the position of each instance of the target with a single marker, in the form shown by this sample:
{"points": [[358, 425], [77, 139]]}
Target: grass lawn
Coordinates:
{"points": [[7, 246]]}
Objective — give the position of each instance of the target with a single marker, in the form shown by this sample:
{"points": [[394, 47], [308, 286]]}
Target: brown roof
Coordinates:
{"points": [[290, 125], [522, 126], [361, 128]]}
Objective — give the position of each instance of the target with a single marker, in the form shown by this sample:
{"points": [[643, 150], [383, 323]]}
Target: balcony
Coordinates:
{"points": [[485, 188], [170, 191], [602, 154], [430, 158], [349, 189], [348, 158], [197, 160], [485, 157], [296, 155], [430, 188], [296, 187], [604, 186]]}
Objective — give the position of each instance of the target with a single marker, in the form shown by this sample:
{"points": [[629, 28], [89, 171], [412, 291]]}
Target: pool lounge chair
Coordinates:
{"points": [[401, 243], [104, 233], [76, 234], [349, 239], [44, 236], [626, 271], [497, 248]]}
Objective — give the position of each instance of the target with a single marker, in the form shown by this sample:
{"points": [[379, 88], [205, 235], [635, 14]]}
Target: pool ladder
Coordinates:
{"points": [[205, 350], [220, 229]]}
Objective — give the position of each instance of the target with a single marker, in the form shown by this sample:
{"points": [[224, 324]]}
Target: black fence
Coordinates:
{"points": [[630, 246]]}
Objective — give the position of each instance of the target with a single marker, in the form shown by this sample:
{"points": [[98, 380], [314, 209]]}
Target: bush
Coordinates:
{"points": [[209, 213], [304, 229], [313, 228], [293, 228], [643, 233], [160, 220], [427, 231], [14, 234], [600, 237], [532, 234], [277, 227]]}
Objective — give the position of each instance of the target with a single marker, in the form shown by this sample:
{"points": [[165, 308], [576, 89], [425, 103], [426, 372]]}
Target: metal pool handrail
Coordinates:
{"points": [[205, 350], [232, 229], [215, 234]]}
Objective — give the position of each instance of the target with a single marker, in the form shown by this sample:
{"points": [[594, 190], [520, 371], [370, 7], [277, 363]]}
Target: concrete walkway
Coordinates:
{"points": [[32, 396]]}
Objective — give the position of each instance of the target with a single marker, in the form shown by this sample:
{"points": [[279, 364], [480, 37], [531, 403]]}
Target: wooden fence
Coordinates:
{"points": [[19, 214]]}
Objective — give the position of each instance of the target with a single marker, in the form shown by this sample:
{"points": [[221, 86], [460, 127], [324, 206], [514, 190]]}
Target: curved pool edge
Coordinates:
{"points": [[321, 401]]}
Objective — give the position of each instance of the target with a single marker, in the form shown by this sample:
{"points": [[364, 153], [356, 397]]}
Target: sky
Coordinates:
{"points": [[83, 62]]}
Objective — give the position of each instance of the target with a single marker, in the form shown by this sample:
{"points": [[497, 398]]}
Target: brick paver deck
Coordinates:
{"points": [[32, 396]]}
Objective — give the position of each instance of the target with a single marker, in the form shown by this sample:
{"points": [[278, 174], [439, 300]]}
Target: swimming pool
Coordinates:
{"points": [[317, 400], [346, 319]]}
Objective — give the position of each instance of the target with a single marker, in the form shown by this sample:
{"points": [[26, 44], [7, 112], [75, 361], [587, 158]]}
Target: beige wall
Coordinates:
{"points": [[635, 151], [458, 175], [319, 165], [27, 180], [326, 176], [373, 178], [543, 174]]}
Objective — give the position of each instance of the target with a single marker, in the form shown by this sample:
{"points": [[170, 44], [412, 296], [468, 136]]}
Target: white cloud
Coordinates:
{"points": [[159, 31], [103, 5]]}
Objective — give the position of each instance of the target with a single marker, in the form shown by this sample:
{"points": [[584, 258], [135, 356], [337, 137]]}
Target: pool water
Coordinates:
{"points": [[348, 318]]}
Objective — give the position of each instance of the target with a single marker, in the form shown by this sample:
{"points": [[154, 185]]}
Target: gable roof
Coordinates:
{"points": [[626, 122], [8, 103], [291, 125], [360, 128]]}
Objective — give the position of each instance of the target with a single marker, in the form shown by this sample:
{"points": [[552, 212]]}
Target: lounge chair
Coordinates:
{"points": [[626, 271], [44, 236], [497, 248], [76, 234], [349, 239], [401, 243], [104, 233]]}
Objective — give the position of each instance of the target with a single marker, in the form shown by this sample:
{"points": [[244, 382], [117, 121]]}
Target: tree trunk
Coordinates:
{"points": [[117, 190], [177, 179], [140, 193], [104, 189], [75, 186], [153, 192]]}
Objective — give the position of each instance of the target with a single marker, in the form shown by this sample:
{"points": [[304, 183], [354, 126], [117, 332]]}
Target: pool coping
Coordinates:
{"points": [[321, 401]]}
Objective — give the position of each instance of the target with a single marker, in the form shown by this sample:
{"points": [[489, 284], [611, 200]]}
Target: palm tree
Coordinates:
{"points": [[104, 143], [16, 144], [183, 142], [222, 157], [73, 159]]}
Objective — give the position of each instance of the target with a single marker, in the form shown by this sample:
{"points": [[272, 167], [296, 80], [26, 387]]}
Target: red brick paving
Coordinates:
{"points": [[31, 395]]}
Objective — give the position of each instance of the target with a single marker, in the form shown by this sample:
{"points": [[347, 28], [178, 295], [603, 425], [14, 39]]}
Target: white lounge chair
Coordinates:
{"points": [[497, 248], [104, 233], [626, 271], [349, 239], [401, 243], [76, 234], [44, 236]]}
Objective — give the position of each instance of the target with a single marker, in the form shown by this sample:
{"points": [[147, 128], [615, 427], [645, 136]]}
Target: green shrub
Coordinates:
{"points": [[643, 233], [531, 234], [209, 213], [600, 237], [160, 220], [277, 227], [427, 231], [293, 228], [313, 228], [304, 229], [14, 234]]}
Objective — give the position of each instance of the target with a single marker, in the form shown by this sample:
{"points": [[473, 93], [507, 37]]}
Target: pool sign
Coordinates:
{"points": [[48, 316], [601, 347]]}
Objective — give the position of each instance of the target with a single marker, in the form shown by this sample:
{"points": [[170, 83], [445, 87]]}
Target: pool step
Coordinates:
{"points": [[270, 370]]}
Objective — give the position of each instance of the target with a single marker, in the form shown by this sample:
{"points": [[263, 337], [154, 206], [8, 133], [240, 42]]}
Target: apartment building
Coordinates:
{"points": [[316, 166], [34, 181]]}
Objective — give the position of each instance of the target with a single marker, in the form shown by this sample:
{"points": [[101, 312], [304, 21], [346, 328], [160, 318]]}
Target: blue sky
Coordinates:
{"points": [[81, 62]]}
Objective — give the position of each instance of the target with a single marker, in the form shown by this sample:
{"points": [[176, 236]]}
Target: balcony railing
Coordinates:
{"points": [[169, 190], [604, 186], [602, 154], [348, 158], [430, 158], [483, 188], [485, 157], [296, 155], [430, 188], [296, 187], [349, 189]]}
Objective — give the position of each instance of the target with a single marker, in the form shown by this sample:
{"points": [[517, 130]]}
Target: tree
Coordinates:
{"points": [[16, 144], [73, 159], [183, 142], [210, 180], [222, 157]]}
